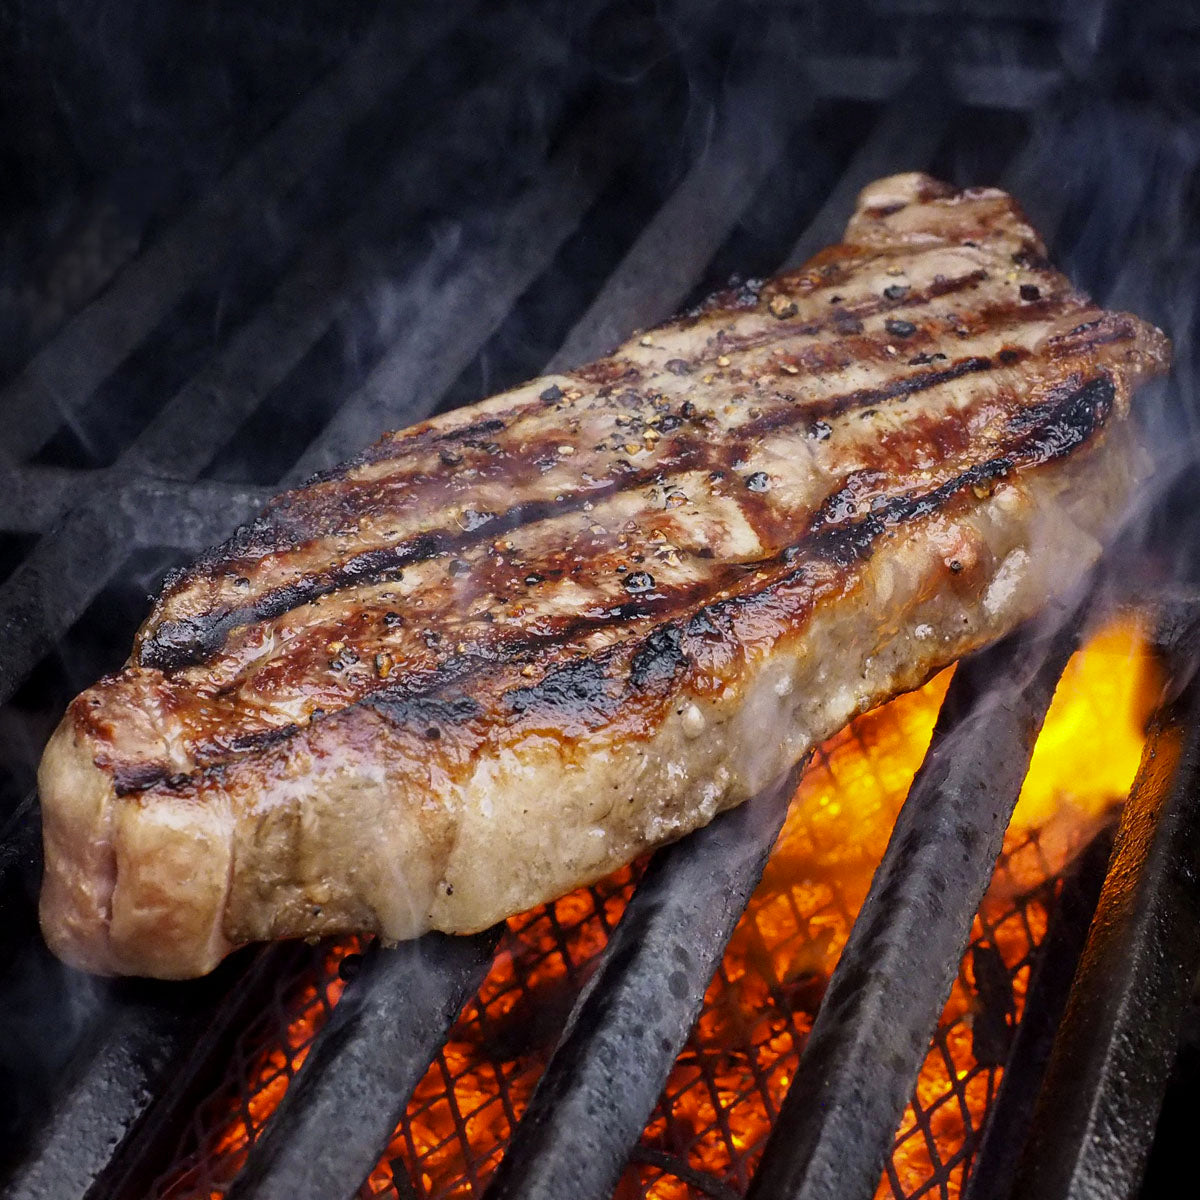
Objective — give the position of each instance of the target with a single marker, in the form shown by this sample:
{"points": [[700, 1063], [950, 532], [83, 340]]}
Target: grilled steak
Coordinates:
{"points": [[501, 653]]}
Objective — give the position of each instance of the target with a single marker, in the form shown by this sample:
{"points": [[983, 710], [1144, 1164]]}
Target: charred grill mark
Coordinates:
{"points": [[189, 641], [423, 713], [845, 320], [464, 433], [589, 691], [214, 753], [1083, 412], [1084, 337], [280, 529], [263, 738], [139, 777], [896, 389], [579, 689], [1068, 424], [1104, 330], [586, 692], [659, 659]]}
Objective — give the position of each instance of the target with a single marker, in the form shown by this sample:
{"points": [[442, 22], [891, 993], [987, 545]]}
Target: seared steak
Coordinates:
{"points": [[501, 653]]}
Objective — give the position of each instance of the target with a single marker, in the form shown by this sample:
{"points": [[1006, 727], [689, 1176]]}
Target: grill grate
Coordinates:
{"points": [[712, 1119], [287, 316]]}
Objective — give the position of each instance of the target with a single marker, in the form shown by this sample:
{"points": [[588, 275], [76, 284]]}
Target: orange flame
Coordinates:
{"points": [[726, 1086]]}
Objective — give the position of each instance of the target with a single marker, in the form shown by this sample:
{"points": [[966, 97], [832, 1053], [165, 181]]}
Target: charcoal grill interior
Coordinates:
{"points": [[242, 244]]}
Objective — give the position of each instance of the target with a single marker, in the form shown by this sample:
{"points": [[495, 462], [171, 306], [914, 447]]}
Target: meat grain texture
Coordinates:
{"points": [[506, 651]]}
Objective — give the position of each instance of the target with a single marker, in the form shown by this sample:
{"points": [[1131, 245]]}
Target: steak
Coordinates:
{"points": [[501, 653]]}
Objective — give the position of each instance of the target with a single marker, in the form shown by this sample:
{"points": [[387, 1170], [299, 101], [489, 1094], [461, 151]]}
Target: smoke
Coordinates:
{"points": [[452, 236]]}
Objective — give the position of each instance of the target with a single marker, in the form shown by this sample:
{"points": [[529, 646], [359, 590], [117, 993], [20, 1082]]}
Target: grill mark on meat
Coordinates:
{"points": [[580, 688], [180, 642], [1068, 425], [410, 440], [274, 532], [845, 319], [896, 389], [427, 713], [464, 433], [1106, 329], [140, 777], [586, 691], [192, 640], [839, 266], [659, 658]]}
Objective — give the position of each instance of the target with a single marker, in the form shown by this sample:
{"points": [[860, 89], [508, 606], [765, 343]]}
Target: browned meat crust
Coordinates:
{"points": [[502, 652]]}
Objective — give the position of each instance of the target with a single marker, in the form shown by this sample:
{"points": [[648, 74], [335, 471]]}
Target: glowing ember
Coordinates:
{"points": [[723, 1092], [1089, 748]]}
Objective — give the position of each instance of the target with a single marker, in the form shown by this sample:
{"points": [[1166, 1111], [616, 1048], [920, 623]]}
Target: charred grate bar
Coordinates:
{"points": [[1104, 1085], [334, 1124], [893, 977], [631, 1020]]}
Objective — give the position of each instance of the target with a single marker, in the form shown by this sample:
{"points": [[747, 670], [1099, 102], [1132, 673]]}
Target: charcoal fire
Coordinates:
{"points": [[718, 1104]]}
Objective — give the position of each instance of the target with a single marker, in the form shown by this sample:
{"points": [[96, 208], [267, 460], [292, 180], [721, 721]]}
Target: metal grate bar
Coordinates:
{"points": [[453, 312], [149, 1030], [668, 259], [891, 982], [1098, 1107], [335, 1121], [631, 1021], [1011, 1113], [64, 374], [905, 139]]}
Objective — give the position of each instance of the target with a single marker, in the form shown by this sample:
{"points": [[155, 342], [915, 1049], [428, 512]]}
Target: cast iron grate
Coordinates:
{"points": [[519, 1012], [713, 1117]]}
